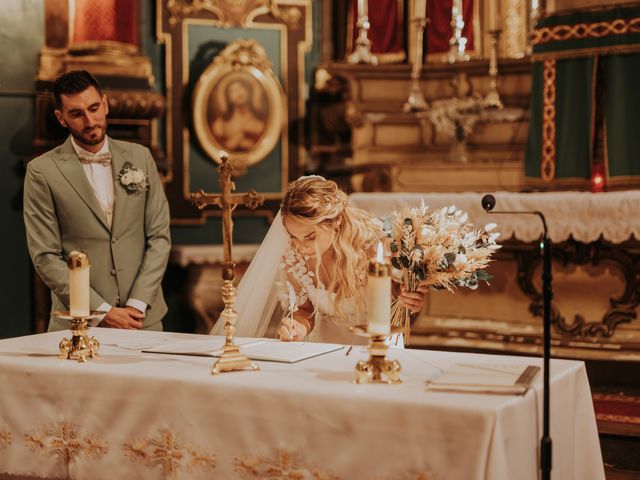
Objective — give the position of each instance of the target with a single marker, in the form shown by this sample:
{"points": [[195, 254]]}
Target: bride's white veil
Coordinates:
{"points": [[257, 295]]}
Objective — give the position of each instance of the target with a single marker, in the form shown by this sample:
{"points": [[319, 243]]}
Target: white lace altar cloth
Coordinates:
{"points": [[129, 415], [584, 216]]}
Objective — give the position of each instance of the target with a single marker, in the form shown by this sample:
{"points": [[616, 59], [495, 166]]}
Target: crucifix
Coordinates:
{"points": [[231, 358]]}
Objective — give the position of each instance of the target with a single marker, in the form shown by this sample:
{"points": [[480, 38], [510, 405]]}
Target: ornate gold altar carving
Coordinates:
{"points": [[391, 150], [623, 308], [240, 77], [233, 13], [176, 22]]}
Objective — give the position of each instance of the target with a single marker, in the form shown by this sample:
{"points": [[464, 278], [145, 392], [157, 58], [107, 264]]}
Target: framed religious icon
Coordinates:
{"points": [[239, 105]]}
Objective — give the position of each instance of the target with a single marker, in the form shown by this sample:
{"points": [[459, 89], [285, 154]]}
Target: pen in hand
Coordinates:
{"points": [[348, 350]]}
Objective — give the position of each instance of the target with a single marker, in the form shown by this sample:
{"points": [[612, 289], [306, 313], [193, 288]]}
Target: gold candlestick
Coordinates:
{"points": [[492, 98], [416, 100], [458, 43], [231, 359], [378, 368], [362, 52], [80, 346]]}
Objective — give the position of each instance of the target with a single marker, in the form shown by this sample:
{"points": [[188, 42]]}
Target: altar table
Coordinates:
{"points": [[128, 414]]}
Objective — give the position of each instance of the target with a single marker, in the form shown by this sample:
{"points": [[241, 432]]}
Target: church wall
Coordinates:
{"points": [[21, 35]]}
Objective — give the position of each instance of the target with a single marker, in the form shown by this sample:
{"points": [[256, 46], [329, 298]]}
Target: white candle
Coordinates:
{"points": [[420, 7], [79, 268], [362, 8], [379, 295], [493, 15]]}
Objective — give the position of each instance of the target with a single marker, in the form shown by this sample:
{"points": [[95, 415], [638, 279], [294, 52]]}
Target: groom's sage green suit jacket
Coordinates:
{"points": [[62, 214]]}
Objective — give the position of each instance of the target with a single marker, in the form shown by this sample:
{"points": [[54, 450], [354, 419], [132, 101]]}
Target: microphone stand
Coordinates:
{"points": [[488, 202]]}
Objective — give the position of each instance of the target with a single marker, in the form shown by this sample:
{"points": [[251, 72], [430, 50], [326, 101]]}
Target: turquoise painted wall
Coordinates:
{"points": [[21, 37]]}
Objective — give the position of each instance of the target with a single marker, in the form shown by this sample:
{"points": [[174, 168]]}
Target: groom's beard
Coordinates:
{"points": [[90, 136]]}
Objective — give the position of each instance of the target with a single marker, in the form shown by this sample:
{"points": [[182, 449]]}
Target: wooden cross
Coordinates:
{"points": [[227, 202]]}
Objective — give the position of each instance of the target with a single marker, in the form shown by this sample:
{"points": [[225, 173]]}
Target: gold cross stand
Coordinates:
{"points": [[231, 359]]}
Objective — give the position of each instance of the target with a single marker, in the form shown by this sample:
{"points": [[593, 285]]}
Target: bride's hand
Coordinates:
{"points": [[414, 301], [291, 330]]}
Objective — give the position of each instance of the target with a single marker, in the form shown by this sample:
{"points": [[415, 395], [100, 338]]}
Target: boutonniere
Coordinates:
{"points": [[132, 179]]}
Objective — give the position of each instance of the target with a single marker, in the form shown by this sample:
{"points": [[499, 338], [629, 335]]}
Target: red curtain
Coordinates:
{"points": [[439, 29], [387, 26], [115, 20]]}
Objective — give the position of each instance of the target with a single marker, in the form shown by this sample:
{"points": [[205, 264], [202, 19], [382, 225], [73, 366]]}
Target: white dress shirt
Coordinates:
{"points": [[101, 180]]}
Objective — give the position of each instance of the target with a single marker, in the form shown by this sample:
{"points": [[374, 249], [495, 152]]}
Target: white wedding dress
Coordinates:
{"points": [[265, 295]]}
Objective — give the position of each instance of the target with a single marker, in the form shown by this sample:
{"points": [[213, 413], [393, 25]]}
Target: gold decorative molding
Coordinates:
{"points": [[580, 31], [135, 104], [167, 451], [66, 441], [233, 13], [548, 160], [239, 105]]}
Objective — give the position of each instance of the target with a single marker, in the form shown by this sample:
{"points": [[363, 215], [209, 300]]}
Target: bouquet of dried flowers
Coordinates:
{"points": [[438, 247]]}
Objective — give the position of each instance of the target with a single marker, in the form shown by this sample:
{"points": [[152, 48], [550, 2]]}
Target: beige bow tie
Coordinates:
{"points": [[102, 158]]}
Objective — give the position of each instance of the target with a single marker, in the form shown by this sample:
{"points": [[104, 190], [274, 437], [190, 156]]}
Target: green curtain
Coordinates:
{"points": [[574, 103], [622, 114]]}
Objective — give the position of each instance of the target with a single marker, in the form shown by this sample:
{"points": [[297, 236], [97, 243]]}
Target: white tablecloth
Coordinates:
{"points": [[584, 216], [132, 415]]}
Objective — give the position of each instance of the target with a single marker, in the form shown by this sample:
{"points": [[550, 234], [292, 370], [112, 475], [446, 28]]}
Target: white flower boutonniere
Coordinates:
{"points": [[132, 179]]}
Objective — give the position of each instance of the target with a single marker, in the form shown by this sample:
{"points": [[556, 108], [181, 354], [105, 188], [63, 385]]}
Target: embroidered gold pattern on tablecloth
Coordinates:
{"points": [[169, 452], [619, 26], [65, 441], [284, 465], [5, 438]]}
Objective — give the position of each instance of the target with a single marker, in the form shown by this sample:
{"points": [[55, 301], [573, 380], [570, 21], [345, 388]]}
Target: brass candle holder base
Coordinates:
{"points": [[377, 369], [80, 347], [231, 359]]}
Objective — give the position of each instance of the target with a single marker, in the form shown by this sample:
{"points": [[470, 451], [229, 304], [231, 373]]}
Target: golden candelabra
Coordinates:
{"points": [[458, 43], [416, 100], [362, 52], [492, 98], [80, 346], [378, 368], [231, 359]]}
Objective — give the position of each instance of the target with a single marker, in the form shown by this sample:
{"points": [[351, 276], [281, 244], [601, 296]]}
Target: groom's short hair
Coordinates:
{"points": [[72, 82]]}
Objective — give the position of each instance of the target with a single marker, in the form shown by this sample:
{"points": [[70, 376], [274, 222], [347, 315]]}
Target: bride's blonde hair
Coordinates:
{"points": [[321, 202]]}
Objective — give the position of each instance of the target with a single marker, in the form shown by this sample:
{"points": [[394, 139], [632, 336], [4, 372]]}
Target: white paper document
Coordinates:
{"points": [[489, 378], [271, 350]]}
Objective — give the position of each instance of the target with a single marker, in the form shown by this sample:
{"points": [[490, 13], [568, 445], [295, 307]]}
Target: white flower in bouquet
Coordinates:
{"points": [[440, 248]]}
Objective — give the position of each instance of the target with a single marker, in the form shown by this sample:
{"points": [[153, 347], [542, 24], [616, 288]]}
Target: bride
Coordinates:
{"points": [[308, 278]]}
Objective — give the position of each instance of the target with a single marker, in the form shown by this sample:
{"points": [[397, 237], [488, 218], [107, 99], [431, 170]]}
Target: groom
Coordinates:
{"points": [[103, 197]]}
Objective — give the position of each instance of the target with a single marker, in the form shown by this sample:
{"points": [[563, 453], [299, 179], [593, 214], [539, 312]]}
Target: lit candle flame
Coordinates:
{"points": [[380, 255]]}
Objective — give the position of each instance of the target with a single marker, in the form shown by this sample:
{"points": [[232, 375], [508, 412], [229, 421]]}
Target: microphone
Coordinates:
{"points": [[489, 203]]}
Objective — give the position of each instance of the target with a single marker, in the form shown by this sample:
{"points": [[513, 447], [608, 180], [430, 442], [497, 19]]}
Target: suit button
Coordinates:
{"points": [[113, 240], [113, 272]]}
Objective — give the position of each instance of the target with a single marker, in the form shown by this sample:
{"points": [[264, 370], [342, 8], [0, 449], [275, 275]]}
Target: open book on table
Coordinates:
{"points": [[485, 378], [266, 349]]}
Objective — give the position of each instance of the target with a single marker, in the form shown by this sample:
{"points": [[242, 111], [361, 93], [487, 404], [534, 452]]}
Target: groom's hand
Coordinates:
{"points": [[123, 317]]}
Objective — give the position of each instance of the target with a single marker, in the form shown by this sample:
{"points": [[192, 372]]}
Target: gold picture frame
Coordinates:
{"points": [[239, 105]]}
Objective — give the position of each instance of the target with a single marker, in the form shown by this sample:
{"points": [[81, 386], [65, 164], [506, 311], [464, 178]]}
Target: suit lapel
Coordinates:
{"points": [[119, 156], [71, 168]]}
